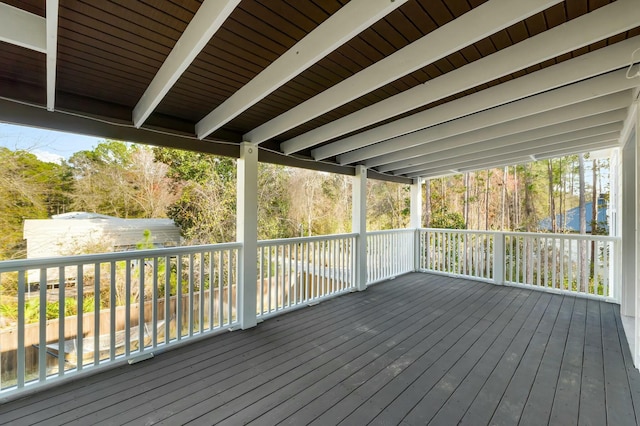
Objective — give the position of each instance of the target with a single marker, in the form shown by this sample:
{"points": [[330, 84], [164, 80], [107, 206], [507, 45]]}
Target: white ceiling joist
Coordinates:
{"points": [[52, 52], [480, 151], [568, 95], [427, 175], [23, 28], [587, 29], [548, 118], [474, 25], [205, 23], [347, 22], [508, 159], [560, 152], [463, 168], [568, 72], [526, 136]]}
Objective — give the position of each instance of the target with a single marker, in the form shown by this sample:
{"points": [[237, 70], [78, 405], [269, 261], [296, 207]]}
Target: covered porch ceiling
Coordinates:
{"points": [[408, 88]]}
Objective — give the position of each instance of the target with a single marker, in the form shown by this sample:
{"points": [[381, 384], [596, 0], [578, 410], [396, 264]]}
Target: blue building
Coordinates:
{"points": [[573, 218]]}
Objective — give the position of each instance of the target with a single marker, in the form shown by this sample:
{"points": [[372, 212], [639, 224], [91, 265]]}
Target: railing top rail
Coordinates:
{"points": [[564, 236], [297, 240], [392, 231], [58, 261], [529, 234], [457, 231]]}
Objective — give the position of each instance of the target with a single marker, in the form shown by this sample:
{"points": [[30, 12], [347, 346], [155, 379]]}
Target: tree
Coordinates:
{"points": [[388, 205], [29, 189], [205, 190], [122, 180], [552, 205], [582, 264]]}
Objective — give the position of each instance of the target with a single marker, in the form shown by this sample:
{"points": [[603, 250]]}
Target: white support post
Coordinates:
{"points": [[359, 225], [499, 258], [247, 234], [416, 219], [628, 228], [636, 278]]}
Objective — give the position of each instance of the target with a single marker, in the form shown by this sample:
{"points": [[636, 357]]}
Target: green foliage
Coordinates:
{"points": [[29, 189], [447, 220], [146, 242], [9, 310]]}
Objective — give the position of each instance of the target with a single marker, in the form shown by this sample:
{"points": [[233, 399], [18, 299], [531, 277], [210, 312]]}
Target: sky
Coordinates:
{"points": [[47, 145]]}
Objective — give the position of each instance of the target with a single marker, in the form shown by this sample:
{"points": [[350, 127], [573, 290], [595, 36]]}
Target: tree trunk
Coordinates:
{"points": [[427, 206], [466, 200], [503, 197], [582, 261], [552, 204], [562, 194], [486, 203], [516, 200], [594, 216]]}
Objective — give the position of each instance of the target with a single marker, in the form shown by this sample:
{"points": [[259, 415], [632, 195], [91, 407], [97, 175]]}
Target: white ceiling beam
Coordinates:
{"points": [[560, 152], [480, 152], [568, 95], [204, 24], [573, 126], [474, 25], [498, 146], [590, 28], [510, 158], [438, 172], [52, 52], [341, 27], [23, 28], [568, 72], [545, 119]]}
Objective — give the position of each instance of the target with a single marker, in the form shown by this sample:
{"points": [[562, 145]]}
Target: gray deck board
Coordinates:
{"points": [[420, 349]]}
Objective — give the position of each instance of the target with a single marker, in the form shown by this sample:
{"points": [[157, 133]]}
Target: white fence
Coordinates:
{"points": [[566, 263], [580, 264], [389, 254], [457, 252], [118, 306], [299, 271]]}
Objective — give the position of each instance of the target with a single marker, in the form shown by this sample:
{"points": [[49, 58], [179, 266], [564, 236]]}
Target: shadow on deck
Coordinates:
{"points": [[418, 349]]}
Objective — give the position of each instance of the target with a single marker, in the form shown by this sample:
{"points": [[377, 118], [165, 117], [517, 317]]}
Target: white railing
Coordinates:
{"points": [[91, 310], [389, 254], [566, 263], [457, 252], [579, 264], [300, 271], [69, 314]]}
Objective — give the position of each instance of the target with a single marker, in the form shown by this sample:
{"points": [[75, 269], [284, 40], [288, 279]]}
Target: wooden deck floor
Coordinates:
{"points": [[421, 349]]}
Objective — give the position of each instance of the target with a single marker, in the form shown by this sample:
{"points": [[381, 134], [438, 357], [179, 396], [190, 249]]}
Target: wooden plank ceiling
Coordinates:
{"points": [[416, 88]]}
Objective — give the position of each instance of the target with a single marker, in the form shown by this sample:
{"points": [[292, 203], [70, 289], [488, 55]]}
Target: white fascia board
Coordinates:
{"points": [[52, 52], [474, 25], [567, 95], [341, 27], [207, 20], [510, 158], [596, 134], [23, 28], [595, 26], [560, 115], [576, 126]]}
